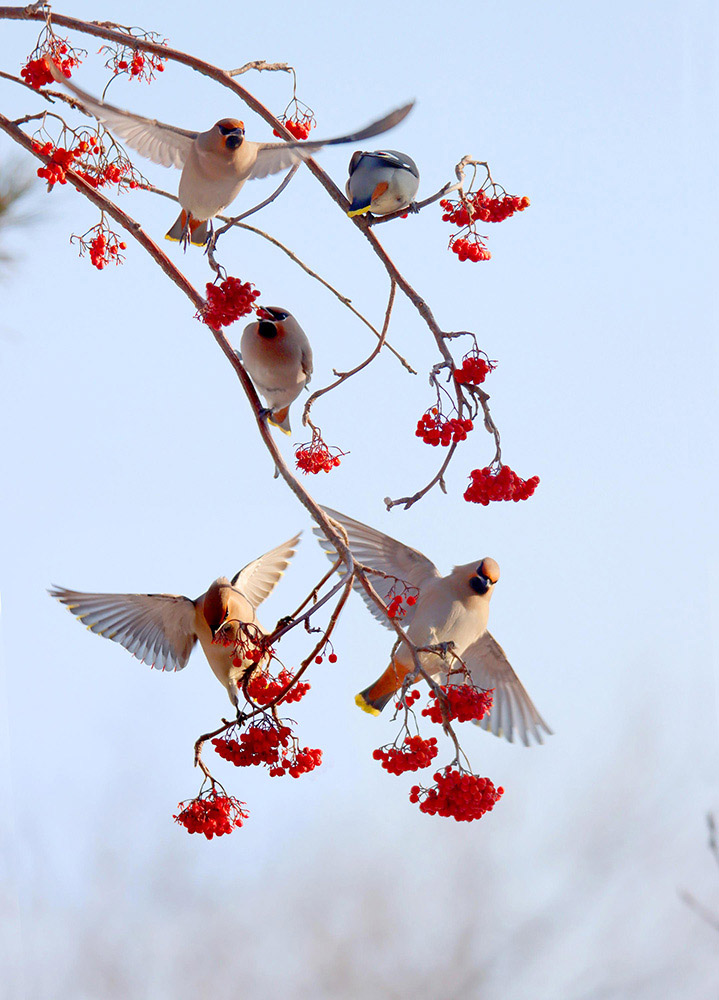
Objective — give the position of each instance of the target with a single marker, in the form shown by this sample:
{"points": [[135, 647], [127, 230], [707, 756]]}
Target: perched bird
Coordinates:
{"points": [[451, 608], [215, 164], [381, 182], [162, 629], [277, 354]]}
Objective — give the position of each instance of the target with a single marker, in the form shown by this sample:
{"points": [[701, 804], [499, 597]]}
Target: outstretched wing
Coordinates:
{"points": [[160, 143], [258, 579], [158, 629], [380, 552], [512, 709], [275, 156]]}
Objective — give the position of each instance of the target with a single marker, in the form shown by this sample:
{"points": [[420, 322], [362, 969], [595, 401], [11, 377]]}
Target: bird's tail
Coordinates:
{"points": [[196, 230], [359, 207], [374, 698], [281, 419]]}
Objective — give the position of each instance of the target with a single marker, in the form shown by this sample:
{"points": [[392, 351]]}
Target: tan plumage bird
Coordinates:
{"points": [[277, 354], [452, 608], [215, 164], [162, 629]]}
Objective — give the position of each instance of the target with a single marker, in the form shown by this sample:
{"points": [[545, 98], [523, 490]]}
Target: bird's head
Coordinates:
{"points": [[270, 319], [230, 133], [485, 576], [215, 607]]}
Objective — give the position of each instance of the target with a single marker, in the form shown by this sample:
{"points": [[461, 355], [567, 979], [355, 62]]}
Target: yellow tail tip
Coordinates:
{"points": [[279, 427], [172, 239], [362, 703], [358, 211]]}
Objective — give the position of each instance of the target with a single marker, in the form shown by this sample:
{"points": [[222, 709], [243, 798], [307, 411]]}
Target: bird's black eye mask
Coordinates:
{"points": [[231, 129], [277, 314]]}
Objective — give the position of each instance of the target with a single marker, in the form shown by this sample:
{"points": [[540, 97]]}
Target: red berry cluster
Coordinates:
{"points": [[228, 301], [473, 370], [36, 72], [414, 754], [87, 160], [142, 66], [317, 457], [469, 247], [465, 703], [409, 699], [263, 688], [332, 658], [480, 206], [60, 161], [434, 428], [300, 762], [211, 814], [257, 745], [463, 796], [488, 484], [299, 122], [395, 609], [105, 249]]}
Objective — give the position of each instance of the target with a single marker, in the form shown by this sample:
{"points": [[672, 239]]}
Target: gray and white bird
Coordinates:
{"points": [[162, 629], [452, 608], [278, 357], [215, 164], [381, 182]]}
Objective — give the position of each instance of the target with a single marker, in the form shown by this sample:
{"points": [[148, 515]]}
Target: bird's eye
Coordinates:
{"points": [[479, 570]]}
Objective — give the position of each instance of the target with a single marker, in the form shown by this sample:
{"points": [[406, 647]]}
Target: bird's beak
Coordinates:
{"points": [[234, 140]]}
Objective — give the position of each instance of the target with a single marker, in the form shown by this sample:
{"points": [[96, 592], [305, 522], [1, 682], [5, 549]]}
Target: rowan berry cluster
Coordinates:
{"points": [[299, 762], [316, 456], [136, 63], [469, 247], [36, 72], [465, 703], [462, 212], [473, 370], [464, 796], [102, 244], [263, 688], [228, 301], [60, 161], [501, 483], [298, 119], [409, 699], [211, 814], [332, 658], [257, 745], [415, 753], [395, 609], [434, 428], [87, 159]]}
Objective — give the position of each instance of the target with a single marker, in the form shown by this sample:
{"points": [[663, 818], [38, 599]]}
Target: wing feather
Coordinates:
{"points": [[161, 143], [513, 712], [158, 629], [380, 552], [258, 579]]}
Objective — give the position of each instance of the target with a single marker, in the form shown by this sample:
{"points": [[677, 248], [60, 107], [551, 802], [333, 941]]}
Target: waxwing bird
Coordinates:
{"points": [[162, 629], [278, 357], [215, 164], [451, 608], [381, 182]]}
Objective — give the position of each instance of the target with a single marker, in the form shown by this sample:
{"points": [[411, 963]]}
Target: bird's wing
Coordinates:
{"points": [[275, 156], [160, 143], [512, 709], [393, 158], [400, 562], [158, 629], [258, 579]]}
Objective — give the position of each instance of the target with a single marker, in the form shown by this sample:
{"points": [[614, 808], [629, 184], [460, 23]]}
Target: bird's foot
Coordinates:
{"points": [[413, 207]]}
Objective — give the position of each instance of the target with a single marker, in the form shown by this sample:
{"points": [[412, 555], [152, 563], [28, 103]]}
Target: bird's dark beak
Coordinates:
{"points": [[480, 584]]}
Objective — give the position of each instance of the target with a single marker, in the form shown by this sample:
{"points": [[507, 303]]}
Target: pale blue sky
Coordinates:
{"points": [[132, 464]]}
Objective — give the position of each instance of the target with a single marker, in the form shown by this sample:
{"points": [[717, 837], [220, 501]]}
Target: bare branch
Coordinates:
{"points": [[260, 64]]}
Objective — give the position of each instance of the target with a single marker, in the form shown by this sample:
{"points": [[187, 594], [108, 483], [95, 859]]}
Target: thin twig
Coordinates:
{"points": [[260, 64], [344, 376]]}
